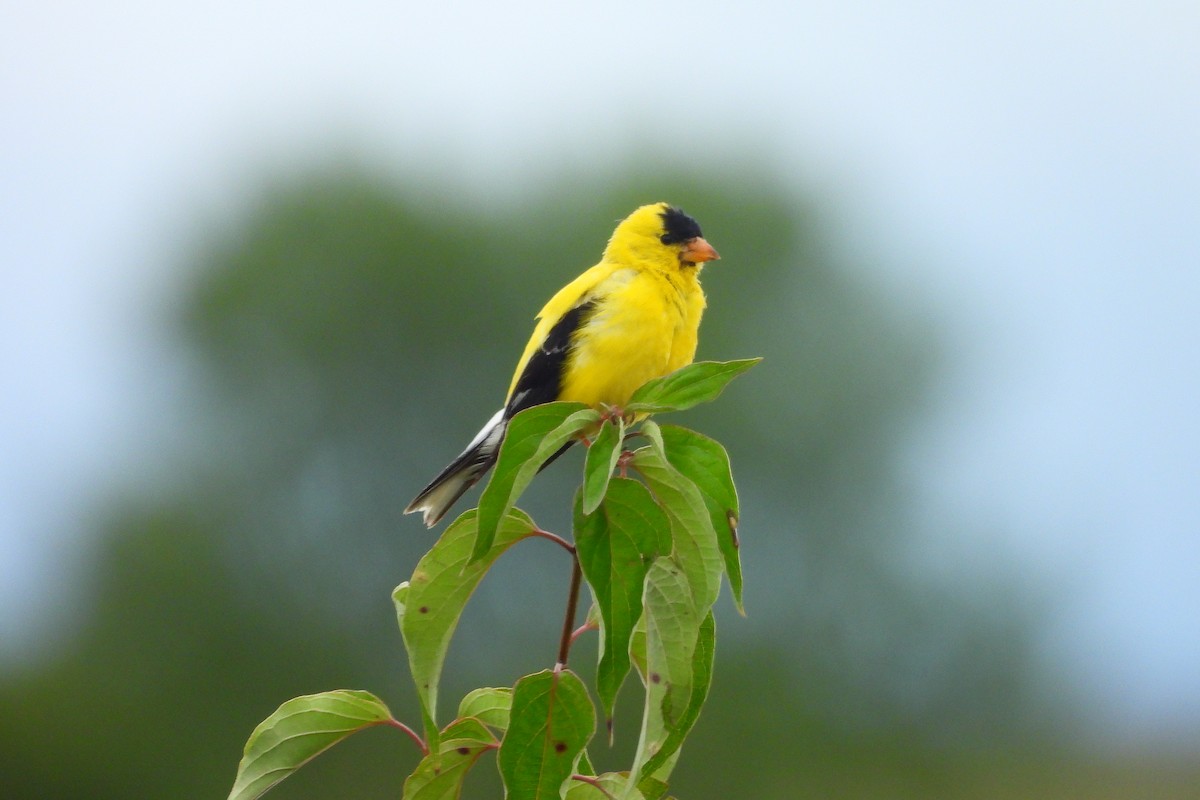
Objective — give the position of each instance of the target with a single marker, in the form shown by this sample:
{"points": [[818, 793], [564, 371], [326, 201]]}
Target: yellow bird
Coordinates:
{"points": [[632, 317]]}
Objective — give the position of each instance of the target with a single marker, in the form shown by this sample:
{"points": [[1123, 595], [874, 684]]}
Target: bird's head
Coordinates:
{"points": [[662, 236]]}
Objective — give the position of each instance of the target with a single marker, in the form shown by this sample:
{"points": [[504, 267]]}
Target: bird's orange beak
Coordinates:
{"points": [[698, 251]]}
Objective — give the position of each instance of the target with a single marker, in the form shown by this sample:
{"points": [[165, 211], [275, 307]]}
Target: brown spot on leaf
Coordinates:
{"points": [[463, 751], [424, 609], [560, 747], [655, 677]]}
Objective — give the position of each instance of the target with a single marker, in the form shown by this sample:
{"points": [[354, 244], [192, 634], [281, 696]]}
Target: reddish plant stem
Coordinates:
{"points": [[582, 629], [558, 540], [395, 723], [564, 643]]}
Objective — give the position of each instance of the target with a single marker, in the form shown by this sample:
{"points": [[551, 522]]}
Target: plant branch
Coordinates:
{"points": [[395, 723], [564, 643], [554, 537], [582, 629]]}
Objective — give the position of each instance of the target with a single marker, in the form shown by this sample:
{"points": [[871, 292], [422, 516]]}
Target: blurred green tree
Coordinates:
{"points": [[345, 340]]}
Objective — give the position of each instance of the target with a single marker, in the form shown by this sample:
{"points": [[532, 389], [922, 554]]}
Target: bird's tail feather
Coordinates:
{"points": [[462, 473]]}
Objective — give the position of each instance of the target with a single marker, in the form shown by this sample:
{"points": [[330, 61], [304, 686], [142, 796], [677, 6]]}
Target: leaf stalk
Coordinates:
{"points": [[395, 723]]}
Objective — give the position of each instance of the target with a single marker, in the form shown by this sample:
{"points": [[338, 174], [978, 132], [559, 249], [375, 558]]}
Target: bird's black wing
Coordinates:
{"points": [[541, 380]]}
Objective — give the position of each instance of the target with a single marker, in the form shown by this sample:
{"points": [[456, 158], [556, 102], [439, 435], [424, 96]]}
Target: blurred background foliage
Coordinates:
{"points": [[345, 339]]}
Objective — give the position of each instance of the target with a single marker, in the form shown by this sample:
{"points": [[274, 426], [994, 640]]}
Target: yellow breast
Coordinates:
{"points": [[644, 326]]}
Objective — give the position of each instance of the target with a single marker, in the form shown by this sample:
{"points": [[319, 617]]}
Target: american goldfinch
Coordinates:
{"points": [[632, 317]]}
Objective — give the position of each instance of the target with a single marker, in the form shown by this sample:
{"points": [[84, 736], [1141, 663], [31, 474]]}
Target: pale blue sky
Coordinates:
{"points": [[1033, 167]]}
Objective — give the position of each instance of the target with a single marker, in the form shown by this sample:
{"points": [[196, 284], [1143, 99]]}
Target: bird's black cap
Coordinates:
{"points": [[679, 226]]}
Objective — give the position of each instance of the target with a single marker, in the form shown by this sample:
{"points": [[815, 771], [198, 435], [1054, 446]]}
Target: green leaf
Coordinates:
{"points": [[467, 731], [612, 784], [584, 766], [659, 765], [653, 432], [600, 462], [705, 462], [673, 624], [430, 604], [298, 731], [552, 721], [616, 546], [686, 387], [696, 547], [532, 437], [593, 616], [400, 601], [652, 788], [491, 706], [637, 647], [440, 774]]}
